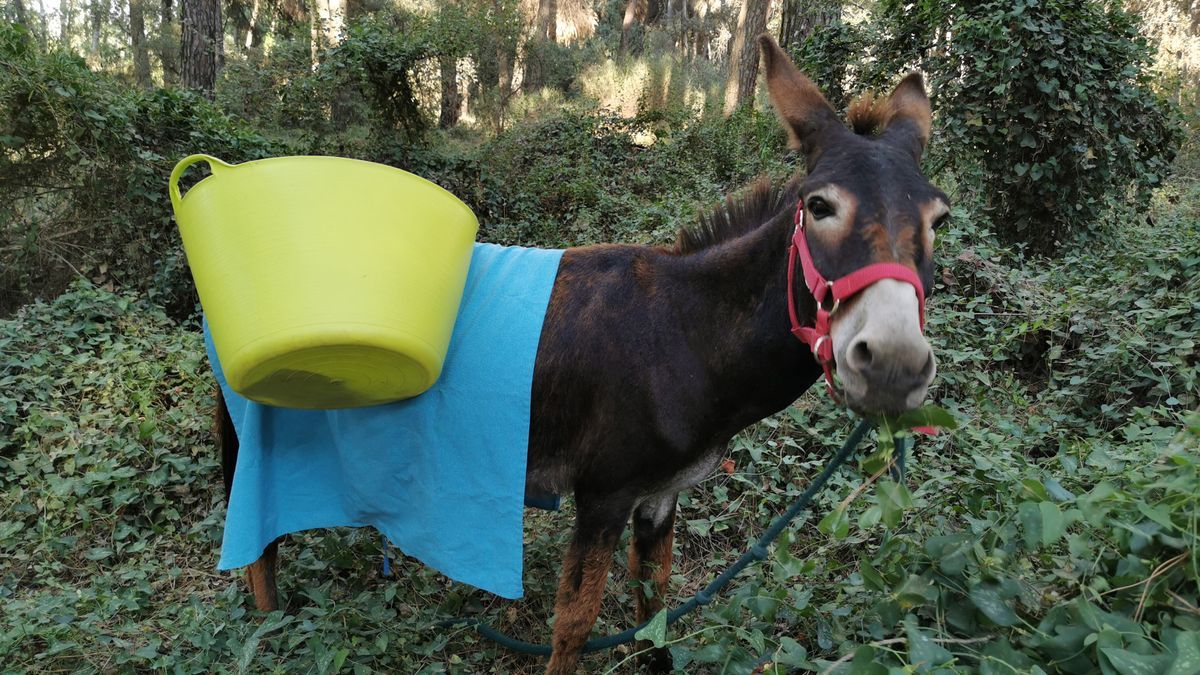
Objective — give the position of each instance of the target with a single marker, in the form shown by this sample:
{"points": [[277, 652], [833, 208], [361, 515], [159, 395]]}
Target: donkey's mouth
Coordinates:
{"points": [[907, 393]]}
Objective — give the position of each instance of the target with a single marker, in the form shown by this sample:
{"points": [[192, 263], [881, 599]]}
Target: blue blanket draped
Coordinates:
{"points": [[442, 475]]}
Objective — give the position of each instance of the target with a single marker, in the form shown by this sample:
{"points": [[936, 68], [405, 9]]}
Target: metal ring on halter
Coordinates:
{"points": [[837, 302], [816, 349]]}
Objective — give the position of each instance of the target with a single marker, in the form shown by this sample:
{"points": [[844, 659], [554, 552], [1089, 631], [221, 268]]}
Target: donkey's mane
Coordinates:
{"points": [[739, 214], [868, 114]]}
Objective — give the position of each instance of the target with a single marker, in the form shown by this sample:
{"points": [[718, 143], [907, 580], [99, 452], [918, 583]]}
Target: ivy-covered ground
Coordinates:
{"points": [[1054, 531]]}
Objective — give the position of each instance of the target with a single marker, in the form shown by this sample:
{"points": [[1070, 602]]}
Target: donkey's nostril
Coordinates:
{"points": [[860, 355]]}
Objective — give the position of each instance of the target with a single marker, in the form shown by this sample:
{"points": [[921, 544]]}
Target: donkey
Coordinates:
{"points": [[652, 358]]}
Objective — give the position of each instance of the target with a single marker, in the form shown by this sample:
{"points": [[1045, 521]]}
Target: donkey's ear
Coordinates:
{"points": [[908, 112], [805, 113]]}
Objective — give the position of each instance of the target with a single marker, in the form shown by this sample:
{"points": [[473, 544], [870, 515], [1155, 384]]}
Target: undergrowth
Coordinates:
{"points": [[1055, 530]]}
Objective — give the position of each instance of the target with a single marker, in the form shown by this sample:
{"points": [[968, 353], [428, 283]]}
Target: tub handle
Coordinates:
{"points": [[215, 165]]}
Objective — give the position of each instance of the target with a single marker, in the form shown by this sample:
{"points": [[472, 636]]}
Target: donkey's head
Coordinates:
{"points": [[866, 201]]}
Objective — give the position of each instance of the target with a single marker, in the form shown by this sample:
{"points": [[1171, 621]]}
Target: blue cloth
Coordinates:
{"points": [[442, 475]]}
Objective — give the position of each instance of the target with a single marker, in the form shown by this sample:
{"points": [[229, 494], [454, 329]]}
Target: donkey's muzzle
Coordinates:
{"points": [[885, 363], [892, 375]]}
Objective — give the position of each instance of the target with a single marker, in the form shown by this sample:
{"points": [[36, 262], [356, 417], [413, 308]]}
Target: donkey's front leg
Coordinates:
{"points": [[650, 560], [598, 525]]}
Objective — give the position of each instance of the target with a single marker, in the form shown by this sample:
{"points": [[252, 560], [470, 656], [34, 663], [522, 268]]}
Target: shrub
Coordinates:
{"points": [[1053, 98], [84, 162], [578, 177]]}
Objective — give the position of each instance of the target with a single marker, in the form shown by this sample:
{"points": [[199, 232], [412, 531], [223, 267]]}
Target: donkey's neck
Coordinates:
{"points": [[733, 297]]}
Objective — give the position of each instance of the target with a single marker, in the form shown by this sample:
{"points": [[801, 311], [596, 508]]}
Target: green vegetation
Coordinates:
{"points": [[1051, 98], [1054, 531]]}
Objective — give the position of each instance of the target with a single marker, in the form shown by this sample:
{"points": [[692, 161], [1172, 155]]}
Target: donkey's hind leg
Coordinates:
{"points": [[261, 577], [599, 522], [650, 560], [261, 573]]}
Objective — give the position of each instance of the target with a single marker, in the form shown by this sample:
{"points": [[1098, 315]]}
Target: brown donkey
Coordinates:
{"points": [[652, 358]]}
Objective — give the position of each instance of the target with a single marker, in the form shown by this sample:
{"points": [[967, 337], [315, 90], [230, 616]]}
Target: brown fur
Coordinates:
{"points": [[909, 103], [580, 590], [885, 248], [880, 241], [650, 553], [798, 102], [260, 576]]}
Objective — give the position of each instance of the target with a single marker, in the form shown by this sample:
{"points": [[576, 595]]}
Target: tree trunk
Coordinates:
{"points": [[200, 44], [547, 19], [65, 21], [743, 56], [99, 11], [45, 36], [137, 40], [801, 17], [314, 35], [168, 44], [331, 14], [252, 32], [20, 16], [451, 101], [645, 12], [627, 23], [701, 46], [684, 27]]}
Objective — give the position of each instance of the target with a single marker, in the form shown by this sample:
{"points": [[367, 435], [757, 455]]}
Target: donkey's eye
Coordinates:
{"points": [[819, 208]]}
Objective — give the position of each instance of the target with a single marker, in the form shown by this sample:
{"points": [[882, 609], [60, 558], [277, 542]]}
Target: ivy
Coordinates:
{"points": [[1052, 100]]}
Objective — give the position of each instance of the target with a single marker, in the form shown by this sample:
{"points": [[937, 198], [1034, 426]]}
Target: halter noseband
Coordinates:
{"points": [[817, 336]]}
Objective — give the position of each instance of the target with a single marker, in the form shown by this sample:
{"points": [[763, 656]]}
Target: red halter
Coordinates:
{"points": [[817, 336]]}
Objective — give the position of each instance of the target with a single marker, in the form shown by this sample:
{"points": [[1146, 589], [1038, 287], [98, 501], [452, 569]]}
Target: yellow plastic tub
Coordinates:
{"points": [[327, 282]]}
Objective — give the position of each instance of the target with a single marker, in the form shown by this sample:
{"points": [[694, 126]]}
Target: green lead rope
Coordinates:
{"points": [[756, 552]]}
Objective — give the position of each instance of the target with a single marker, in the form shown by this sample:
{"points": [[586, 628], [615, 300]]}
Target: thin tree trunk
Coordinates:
{"points": [[451, 101], [701, 42], [19, 11], [332, 17], [505, 56], [45, 24], [504, 78], [99, 11], [64, 27], [801, 18], [137, 39], [251, 32], [168, 44], [547, 19], [200, 44], [627, 23], [314, 35], [684, 28], [743, 56]]}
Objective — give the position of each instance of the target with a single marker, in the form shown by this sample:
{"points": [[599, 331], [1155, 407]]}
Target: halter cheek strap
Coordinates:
{"points": [[817, 336]]}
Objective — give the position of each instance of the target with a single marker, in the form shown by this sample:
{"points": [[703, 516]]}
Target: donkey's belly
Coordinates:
{"points": [[688, 476]]}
